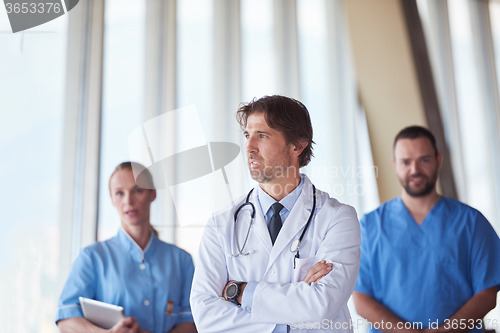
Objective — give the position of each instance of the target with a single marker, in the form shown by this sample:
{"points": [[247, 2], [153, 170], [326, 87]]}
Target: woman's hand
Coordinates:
{"points": [[82, 325], [127, 325]]}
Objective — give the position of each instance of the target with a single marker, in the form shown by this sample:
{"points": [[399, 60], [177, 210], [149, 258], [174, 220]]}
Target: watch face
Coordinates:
{"points": [[231, 291]]}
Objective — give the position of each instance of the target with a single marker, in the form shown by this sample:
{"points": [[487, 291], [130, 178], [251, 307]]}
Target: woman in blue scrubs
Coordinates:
{"points": [[149, 278]]}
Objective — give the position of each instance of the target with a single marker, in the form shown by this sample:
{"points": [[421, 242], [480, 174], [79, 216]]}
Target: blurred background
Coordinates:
{"points": [[74, 89]]}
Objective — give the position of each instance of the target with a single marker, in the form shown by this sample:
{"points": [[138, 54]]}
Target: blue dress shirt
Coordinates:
{"points": [[265, 203], [152, 285]]}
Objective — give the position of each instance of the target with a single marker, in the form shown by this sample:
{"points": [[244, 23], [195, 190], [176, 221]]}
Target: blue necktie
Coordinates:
{"points": [[275, 222]]}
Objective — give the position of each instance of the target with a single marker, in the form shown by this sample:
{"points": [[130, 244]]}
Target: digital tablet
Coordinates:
{"points": [[101, 314]]}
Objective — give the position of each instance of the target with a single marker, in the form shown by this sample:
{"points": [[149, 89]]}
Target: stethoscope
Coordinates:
{"points": [[296, 243]]}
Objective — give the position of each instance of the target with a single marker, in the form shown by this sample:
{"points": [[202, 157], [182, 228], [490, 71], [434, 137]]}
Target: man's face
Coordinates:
{"points": [[416, 165], [268, 154]]}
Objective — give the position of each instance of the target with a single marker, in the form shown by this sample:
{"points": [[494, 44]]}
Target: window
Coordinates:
{"points": [[472, 113], [195, 88], [258, 62], [32, 85], [123, 96], [457, 36]]}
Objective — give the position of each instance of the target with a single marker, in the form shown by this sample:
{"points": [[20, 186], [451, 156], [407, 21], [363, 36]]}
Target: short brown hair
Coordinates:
{"points": [[284, 114], [414, 132]]}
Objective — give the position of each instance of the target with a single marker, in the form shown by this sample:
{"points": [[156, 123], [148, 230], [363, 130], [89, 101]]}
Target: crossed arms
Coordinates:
{"points": [[277, 303]]}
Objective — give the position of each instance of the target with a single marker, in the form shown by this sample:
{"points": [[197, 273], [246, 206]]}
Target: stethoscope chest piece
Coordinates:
{"points": [[295, 245]]}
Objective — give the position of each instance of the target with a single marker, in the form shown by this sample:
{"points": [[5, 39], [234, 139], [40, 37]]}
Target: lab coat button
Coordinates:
{"points": [[142, 266], [146, 303], [271, 272], [249, 308]]}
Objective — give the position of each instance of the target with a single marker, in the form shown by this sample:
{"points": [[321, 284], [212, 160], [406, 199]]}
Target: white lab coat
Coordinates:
{"points": [[280, 297]]}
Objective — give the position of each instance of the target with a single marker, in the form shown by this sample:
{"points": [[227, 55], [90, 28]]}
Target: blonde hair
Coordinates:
{"points": [[144, 179]]}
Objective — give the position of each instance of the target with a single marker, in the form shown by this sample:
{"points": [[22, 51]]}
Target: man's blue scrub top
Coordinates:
{"points": [[117, 271], [426, 272]]}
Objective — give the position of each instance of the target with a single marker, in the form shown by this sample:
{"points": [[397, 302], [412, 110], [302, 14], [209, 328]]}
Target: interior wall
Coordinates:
{"points": [[387, 80]]}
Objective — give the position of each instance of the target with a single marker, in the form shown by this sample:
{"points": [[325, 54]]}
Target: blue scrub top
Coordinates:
{"points": [[117, 271], [426, 272]]}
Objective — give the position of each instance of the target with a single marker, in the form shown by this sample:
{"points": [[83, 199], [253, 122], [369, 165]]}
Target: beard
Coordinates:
{"points": [[430, 183], [278, 168]]}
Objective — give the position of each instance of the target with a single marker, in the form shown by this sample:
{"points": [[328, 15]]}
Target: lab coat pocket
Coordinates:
{"points": [[302, 266]]}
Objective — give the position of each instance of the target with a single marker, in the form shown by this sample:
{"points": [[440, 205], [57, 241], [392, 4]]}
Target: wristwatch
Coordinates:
{"points": [[233, 291]]}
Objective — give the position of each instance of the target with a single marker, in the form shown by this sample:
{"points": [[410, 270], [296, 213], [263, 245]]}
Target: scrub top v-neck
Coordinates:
{"points": [[426, 272]]}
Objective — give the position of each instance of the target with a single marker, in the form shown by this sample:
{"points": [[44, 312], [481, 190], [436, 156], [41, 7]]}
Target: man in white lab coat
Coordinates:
{"points": [[254, 276]]}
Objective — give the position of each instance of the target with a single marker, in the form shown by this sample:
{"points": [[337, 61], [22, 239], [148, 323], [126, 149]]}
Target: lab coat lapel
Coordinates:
{"points": [[296, 221], [259, 226]]}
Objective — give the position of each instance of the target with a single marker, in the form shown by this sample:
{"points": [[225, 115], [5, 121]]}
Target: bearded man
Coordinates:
{"points": [[427, 262]]}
